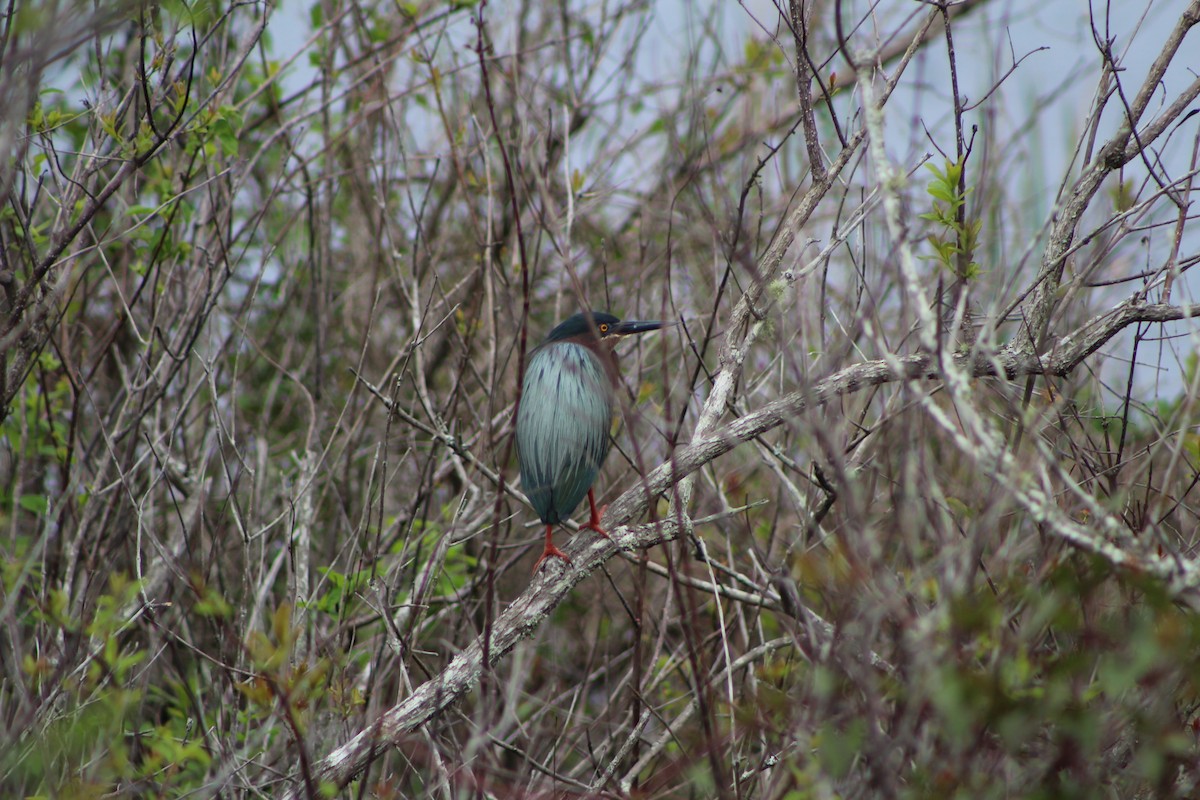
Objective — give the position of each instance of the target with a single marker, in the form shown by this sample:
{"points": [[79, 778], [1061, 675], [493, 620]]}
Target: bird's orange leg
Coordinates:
{"points": [[550, 550], [594, 523]]}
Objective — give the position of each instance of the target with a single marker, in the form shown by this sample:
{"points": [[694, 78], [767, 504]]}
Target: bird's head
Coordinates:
{"points": [[599, 326]]}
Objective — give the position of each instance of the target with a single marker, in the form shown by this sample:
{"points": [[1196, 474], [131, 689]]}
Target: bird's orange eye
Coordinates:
{"points": [[604, 327]]}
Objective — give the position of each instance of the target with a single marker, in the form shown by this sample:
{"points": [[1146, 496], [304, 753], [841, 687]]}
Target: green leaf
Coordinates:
{"points": [[226, 136], [942, 192], [35, 503], [839, 748]]}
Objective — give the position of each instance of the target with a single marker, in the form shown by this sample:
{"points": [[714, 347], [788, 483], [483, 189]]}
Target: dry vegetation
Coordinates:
{"points": [[906, 503]]}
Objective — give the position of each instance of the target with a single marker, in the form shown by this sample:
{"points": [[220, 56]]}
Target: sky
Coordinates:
{"points": [[1054, 41]]}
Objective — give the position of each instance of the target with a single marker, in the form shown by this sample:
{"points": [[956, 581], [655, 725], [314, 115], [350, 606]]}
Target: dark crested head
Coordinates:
{"points": [[577, 325], [602, 325]]}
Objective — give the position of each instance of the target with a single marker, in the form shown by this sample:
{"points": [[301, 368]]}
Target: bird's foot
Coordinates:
{"points": [[594, 525], [550, 550]]}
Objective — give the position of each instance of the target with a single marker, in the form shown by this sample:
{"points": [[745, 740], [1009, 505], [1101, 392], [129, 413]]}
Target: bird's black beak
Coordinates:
{"points": [[630, 327]]}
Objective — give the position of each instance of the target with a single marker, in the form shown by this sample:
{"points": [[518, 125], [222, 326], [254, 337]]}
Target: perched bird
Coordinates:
{"points": [[567, 405]]}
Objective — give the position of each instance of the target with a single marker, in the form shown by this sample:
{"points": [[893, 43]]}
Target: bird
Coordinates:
{"points": [[568, 397]]}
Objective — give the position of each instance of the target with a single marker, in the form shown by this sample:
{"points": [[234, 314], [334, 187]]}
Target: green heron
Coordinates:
{"points": [[566, 414]]}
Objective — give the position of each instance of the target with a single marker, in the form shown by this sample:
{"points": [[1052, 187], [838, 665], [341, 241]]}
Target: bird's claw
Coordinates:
{"points": [[594, 525], [550, 550]]}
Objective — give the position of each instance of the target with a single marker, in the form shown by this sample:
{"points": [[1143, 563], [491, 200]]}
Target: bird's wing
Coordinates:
{"points": [[562, 428]]}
